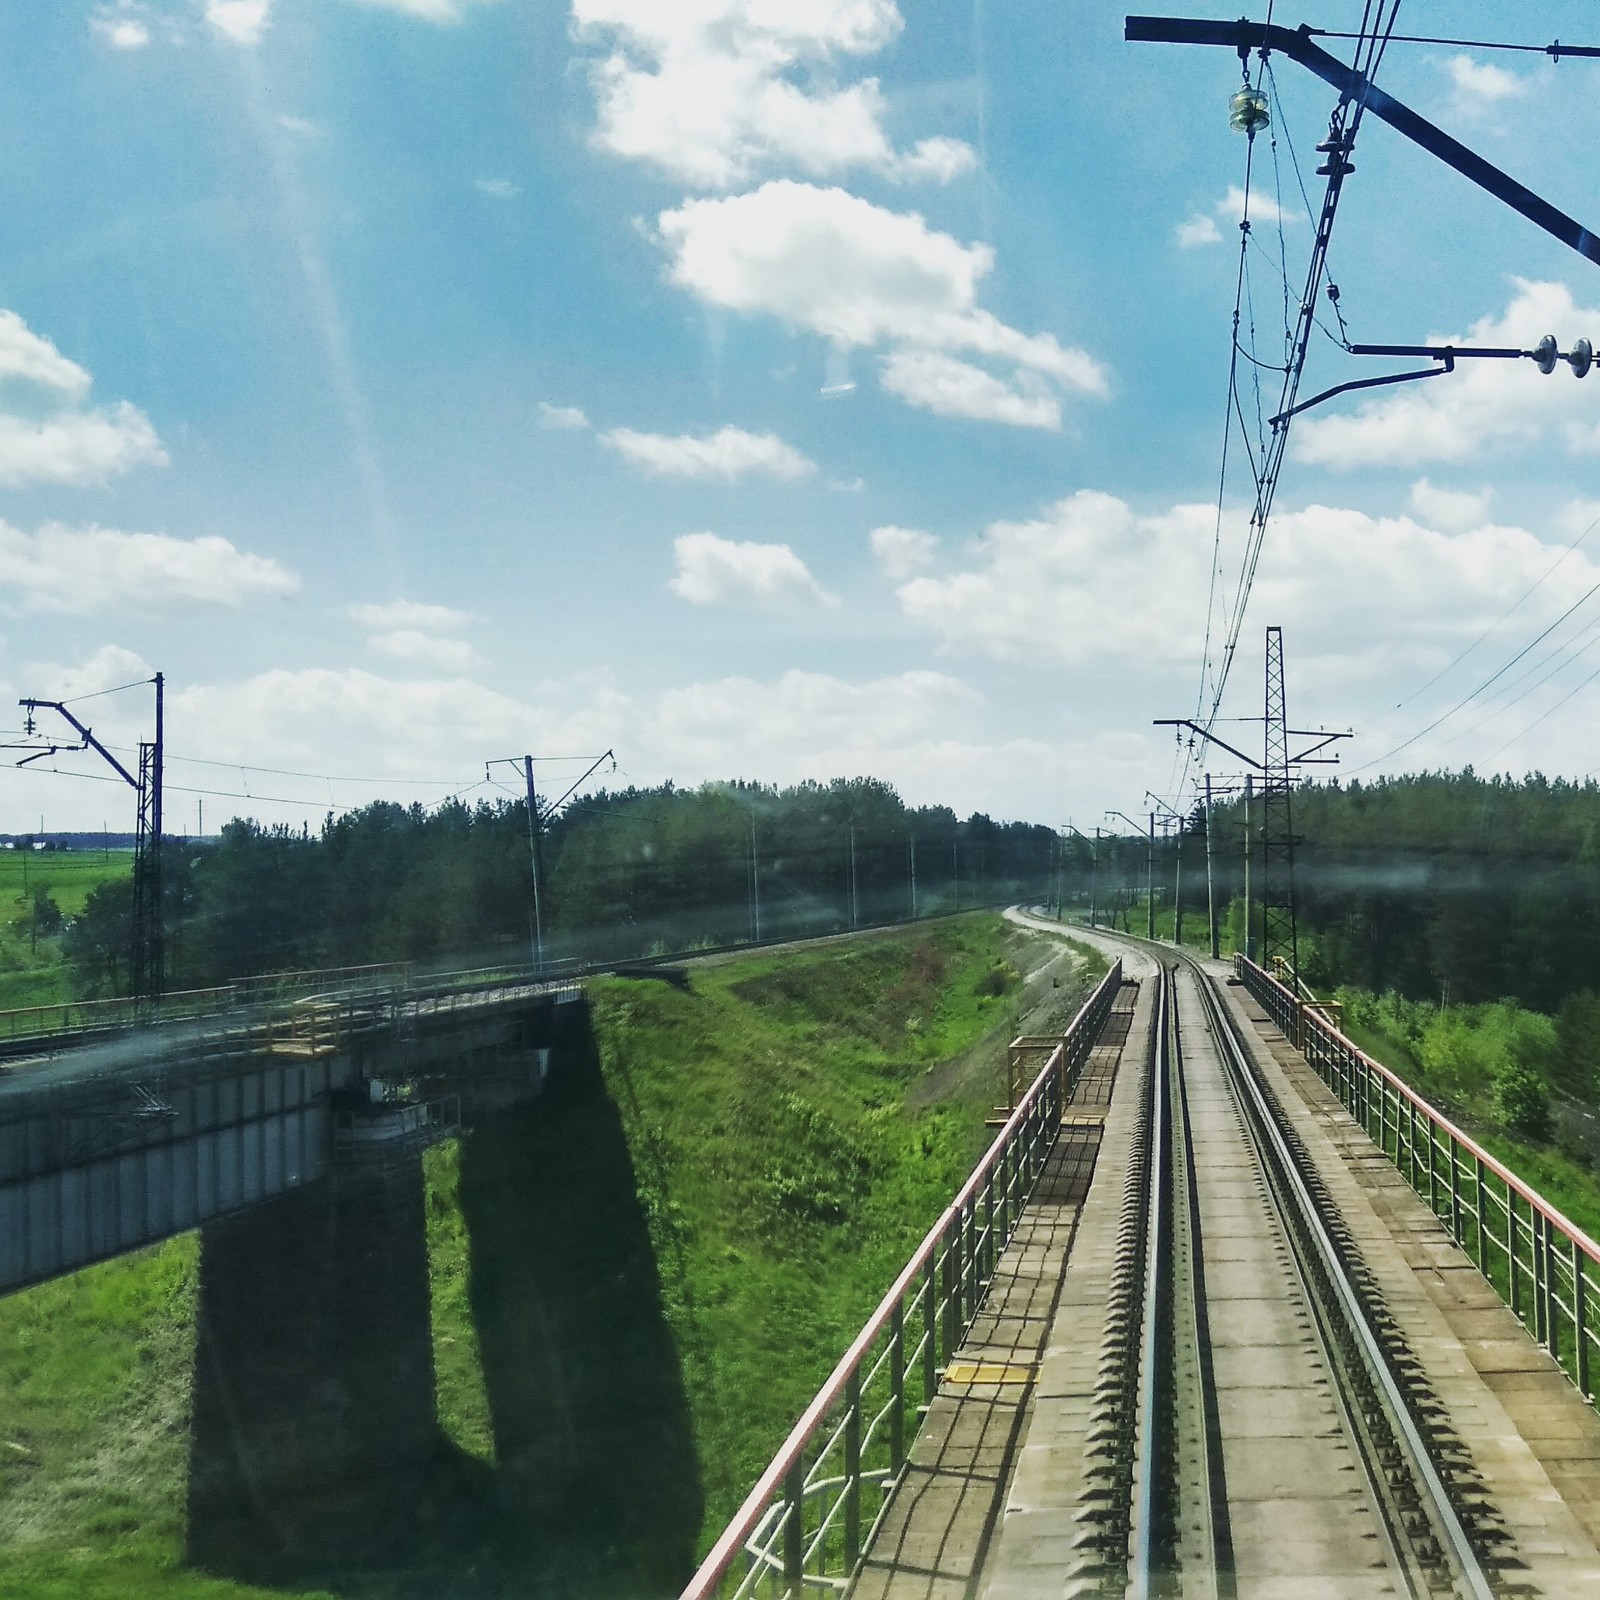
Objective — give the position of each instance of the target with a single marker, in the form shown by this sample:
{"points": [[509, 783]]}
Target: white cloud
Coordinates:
{"points": [[716, 92], [1201, 229], [859, 275], [1479, 85], [301, 127], [82, 570], [1454, 510], [241, 21], [426, 649], [1367, 599], [1482, 407], [30, 359], [713, 571], [565, 418], [902, 551], [1197, 231], [729, 453], [109, 667], [497, 188], [45, 434], [955, 388], [78, 447], [409, 614], [122, 26]]}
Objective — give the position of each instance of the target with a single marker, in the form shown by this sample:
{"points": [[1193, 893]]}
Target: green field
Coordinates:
{"points": [[32, 971], [662, 1257]]}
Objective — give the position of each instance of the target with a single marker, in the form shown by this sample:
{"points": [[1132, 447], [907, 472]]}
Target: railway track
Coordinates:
{"points": [[1264, 1431]]}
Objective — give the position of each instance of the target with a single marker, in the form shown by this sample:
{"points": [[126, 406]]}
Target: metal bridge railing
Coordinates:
{"points": [[1546, 1268], [815, 1509]]}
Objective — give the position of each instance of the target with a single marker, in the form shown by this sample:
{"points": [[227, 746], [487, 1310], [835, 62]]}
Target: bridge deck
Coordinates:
{"points": [[1533, 1439], [993, 1505]]}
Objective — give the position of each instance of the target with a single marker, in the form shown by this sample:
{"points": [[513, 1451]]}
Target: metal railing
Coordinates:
{"points": [[815, 1509], [1546, 1268]]}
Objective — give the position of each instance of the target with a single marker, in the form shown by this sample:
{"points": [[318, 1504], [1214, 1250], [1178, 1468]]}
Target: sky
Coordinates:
{"points": [[765, 389]]}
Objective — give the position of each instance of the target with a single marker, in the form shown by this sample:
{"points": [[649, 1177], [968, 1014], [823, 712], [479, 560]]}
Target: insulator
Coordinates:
{"points": [[1581, 358], [1545, 354], [1247, 110]]}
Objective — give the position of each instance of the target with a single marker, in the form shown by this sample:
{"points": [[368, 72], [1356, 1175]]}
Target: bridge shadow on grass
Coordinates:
{"points": [[316, 1457], [597, 1467]]}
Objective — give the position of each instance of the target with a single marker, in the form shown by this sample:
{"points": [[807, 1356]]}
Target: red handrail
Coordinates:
{"points": [[1531, 1196], [732, 1540]]}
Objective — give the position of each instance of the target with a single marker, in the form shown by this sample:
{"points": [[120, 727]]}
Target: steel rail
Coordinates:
{"points": [[1150, 1432], [1425, 1473]]}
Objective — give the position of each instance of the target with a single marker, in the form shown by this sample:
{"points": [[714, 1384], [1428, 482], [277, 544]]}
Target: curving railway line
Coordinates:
{"points": [[1278, 1439]]}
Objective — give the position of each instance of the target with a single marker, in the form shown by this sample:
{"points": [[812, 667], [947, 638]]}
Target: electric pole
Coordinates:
{"points": [[536, 834], [853, 907], [147, 954], [911, 841], [755, 885]]}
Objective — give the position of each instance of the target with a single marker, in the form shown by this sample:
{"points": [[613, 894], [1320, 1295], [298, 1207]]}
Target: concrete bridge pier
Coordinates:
{"points": [[314, 1424]]}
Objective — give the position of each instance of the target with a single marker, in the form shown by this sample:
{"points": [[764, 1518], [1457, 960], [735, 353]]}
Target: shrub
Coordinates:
{"points": [[1522, 1098]]}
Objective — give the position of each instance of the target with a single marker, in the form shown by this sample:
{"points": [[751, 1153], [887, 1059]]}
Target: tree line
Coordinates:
{"points": [[620, 873], [1439, 886]]}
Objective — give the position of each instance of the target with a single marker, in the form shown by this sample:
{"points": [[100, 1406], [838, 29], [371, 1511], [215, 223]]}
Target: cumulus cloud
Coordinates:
{"points": [[956, 388], [717, 92], [1196, 231], [713, 571], [47, 435], [409, 614], [859, 275], [1365, 597], [1454, 510], [1483, 406], [89, 569], [1201, 228], [426, 649], [563, 418], [1480, 86], [729, 453], [902, 551], [241, 21], [124, 26]]}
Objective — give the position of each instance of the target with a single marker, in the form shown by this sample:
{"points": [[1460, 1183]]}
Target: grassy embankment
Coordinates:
{"points": [[792, 1124], [1459, 1060], [32, 970]]}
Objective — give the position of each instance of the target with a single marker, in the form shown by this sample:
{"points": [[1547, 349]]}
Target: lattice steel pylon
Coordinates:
{"points": [[1278, 934], [147, 960]]}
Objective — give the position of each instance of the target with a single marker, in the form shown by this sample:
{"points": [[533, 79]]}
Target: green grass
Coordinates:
{"points": [[787, 1130], [32, 971], [785, 1178], [1450, 1061]]}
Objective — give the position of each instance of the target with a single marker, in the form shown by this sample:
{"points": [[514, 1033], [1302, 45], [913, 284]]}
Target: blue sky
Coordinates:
{"points": [[760, 389]]}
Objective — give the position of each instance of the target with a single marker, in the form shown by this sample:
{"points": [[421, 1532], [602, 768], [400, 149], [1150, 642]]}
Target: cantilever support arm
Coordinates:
{"points": [[89, 740], [1297, 45], [1194, 727]]}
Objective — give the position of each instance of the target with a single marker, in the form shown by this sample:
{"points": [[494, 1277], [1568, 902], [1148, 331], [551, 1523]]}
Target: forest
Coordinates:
{"points": [[1446, 887], [620, 874]]}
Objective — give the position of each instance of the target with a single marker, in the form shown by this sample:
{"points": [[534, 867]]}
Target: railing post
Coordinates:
{"points": [[1483, 1236], [852, 1472], [1541, 1308], [794, 1526], [1005, 1191], [930, 1328], [992, 1253], [1511, 1248], [952, 1285], [1455, 1187], [897, 1383], [1580, 1323]]}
